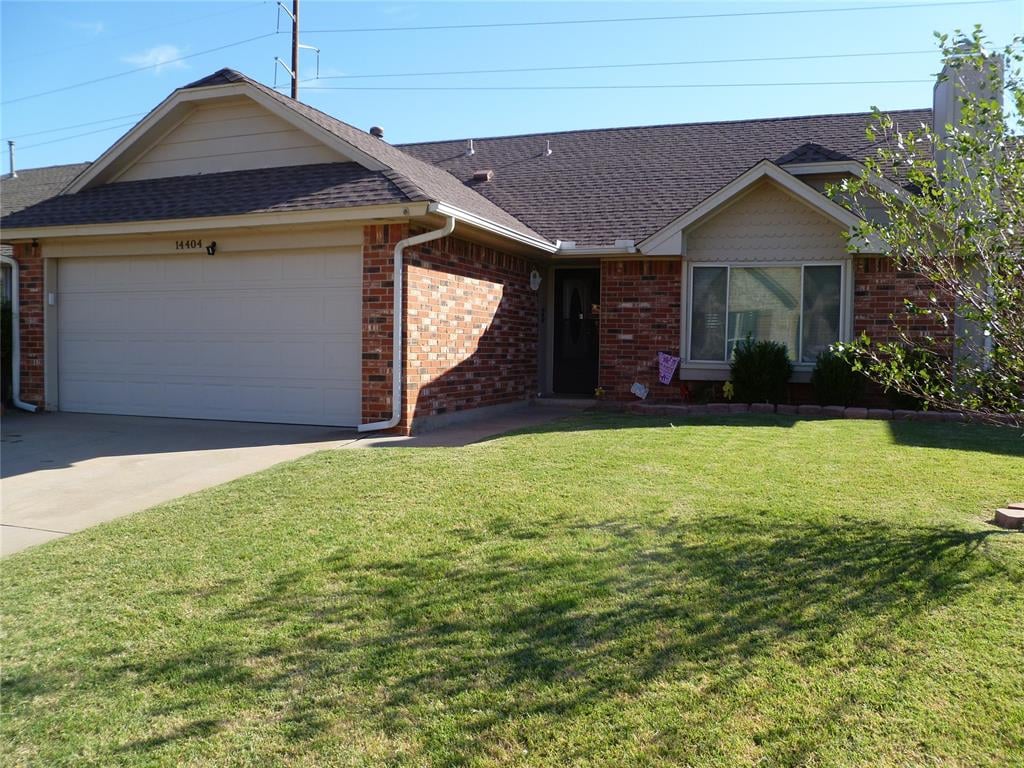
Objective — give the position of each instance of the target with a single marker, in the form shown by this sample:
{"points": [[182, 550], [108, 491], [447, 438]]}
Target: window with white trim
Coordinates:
{"points": [[797, 305]]}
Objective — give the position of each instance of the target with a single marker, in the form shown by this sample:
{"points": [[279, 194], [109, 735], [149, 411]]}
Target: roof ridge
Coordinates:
{"points": [[663, 125]]}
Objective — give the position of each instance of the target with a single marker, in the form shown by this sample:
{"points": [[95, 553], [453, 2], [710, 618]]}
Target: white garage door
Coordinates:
{"points": [[247, 337]]}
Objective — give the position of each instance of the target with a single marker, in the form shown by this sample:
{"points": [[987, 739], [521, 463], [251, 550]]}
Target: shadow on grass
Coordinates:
{"points": [[452, 647], [1003, 441]]}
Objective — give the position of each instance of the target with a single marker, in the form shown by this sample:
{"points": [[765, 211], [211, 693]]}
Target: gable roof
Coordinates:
{"points": [[662, 240], [416, 179], [33, 185], [598, 186]]}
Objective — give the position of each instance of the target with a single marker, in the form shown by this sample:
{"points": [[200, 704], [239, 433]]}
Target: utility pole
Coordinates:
{"points": [[293, 71], [295, 49]]}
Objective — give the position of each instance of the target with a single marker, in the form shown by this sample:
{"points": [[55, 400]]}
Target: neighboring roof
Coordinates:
{"points": [[598, 186], [261, 190], [33, 185]]}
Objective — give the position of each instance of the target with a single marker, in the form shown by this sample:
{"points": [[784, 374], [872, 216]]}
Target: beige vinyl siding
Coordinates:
{"points": [[233, 136], [822, 181], [766, 225]]}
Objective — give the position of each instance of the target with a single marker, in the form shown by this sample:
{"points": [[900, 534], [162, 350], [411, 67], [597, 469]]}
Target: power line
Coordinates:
{"points": [[606, 87], [577, 67], [139, 69], [75, 136], [139, 30], [530, 69], [77, 125], [692, 16]]}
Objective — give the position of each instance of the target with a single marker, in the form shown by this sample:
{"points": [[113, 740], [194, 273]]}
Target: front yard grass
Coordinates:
{"points": [[609, 590]]}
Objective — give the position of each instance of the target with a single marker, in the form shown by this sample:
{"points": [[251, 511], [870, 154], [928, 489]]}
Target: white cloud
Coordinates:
{"points": [[92, 27], [162, 57]]}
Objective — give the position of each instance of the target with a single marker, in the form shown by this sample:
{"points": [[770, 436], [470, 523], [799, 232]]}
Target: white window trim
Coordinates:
{"points": [[718, 367]]}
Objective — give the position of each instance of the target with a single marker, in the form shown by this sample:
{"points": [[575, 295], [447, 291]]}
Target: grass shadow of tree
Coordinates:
{"points": [[455, 647]]}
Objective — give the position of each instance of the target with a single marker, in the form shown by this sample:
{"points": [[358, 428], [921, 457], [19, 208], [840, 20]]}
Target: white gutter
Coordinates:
{"points": [[16, 340], [490, 226], [399, 313]]}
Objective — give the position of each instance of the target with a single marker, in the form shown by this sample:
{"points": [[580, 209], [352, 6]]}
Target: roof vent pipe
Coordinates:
{"points": [[10, 149], [470, 150], [547, 149], [377, 131]]}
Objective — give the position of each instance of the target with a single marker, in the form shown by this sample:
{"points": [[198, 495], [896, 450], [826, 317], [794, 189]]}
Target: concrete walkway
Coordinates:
{"points": [[64, 472]]}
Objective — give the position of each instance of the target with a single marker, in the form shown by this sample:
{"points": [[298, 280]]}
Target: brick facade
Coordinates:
{"points": [[470, 332], [879, 289], [640, 306], [378, 314], [31, 308]]}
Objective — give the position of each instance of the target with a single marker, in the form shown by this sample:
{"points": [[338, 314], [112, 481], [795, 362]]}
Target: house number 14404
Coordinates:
{"points": [[182, 245]]}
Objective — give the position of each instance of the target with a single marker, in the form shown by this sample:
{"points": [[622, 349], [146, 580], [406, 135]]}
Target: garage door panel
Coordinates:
{"points": [[255, 337]]}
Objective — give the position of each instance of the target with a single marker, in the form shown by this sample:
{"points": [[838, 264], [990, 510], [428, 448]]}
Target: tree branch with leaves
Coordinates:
{"points": [[952, 212]]}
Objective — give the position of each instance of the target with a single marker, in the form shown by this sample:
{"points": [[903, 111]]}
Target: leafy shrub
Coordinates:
{"points": [[917, 368], [835, 381], [760, 371]]}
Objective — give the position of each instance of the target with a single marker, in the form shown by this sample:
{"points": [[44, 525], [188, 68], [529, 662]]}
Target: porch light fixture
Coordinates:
{"points": [[535, 280]]}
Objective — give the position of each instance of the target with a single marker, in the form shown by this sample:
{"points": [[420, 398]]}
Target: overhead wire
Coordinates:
{"points": [[678, 17], [139, 69], [577, 67]]}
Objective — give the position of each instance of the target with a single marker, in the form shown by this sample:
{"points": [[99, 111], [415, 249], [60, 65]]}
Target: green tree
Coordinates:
{"points": [[955, 216]]}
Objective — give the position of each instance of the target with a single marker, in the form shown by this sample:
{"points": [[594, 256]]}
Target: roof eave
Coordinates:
{"points": [[388, 211]]}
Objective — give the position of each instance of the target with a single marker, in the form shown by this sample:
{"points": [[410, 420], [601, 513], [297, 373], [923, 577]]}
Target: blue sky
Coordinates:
{"points": [[49, 45]]}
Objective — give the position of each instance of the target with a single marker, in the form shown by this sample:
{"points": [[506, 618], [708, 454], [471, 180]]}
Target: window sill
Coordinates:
{"points": [[720, 372]]}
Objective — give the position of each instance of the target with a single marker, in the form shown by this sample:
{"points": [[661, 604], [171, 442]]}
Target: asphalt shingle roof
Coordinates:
{"points": [[262, 190], [598, 186]]}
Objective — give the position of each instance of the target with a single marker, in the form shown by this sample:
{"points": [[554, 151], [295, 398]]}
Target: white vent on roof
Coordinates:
{"points": [[469, 149], [547, 149]]}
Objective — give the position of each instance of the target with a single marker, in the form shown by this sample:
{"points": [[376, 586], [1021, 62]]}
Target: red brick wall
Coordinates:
{"points": [[470, 329], [640, 305], [878, 292], [31, 301], [378, 261]]}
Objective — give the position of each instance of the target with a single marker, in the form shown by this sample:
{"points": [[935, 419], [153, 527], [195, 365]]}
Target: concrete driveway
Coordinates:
{"points": [[63, 472]]}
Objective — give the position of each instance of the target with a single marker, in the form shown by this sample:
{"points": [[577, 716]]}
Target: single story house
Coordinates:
{"points": [[233, 256]]}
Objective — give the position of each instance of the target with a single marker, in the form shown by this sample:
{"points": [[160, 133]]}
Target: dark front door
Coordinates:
{"points": [[577, 313]]}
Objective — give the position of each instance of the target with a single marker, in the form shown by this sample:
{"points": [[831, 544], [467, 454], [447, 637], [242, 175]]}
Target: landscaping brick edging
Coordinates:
{"points": [[833, 411]]}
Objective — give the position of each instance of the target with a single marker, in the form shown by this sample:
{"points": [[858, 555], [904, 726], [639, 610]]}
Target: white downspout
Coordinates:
{"points": [[399, 310], [16, 339]]}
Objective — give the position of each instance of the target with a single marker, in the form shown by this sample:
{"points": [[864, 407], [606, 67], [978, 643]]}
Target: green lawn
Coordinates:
{"points": [[610, 591]]}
